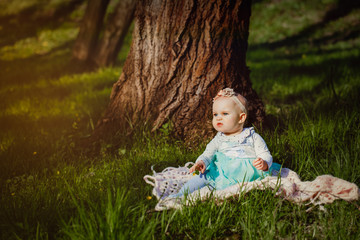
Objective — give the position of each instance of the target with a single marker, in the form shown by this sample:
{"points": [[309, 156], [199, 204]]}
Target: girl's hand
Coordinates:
{"points": [[260, 164], [200, 166]]}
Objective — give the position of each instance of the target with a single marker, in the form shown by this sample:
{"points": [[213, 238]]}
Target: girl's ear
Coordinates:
{"points": [[242, 117]]}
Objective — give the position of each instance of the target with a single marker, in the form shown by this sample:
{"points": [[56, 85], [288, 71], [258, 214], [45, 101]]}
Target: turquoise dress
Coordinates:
{"points": [[225, 171], [228, 159]]}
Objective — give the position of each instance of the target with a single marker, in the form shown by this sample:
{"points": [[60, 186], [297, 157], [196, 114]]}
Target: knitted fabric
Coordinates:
{"points": [[169, 181]]}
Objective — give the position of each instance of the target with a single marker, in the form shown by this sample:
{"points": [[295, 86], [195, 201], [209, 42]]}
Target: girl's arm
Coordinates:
{"points": [[207, 156], [262, 150]]}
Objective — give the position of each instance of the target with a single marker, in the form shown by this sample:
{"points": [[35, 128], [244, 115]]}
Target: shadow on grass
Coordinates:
{"points": [[29, 145], [284, 71], [291, 53], [54, 64], [312, 106], [303, 60], [318, 69], [341, 9], [30, 20]]}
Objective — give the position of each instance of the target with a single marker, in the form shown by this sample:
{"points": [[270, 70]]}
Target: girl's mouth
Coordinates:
{"points": [[219, 124]]}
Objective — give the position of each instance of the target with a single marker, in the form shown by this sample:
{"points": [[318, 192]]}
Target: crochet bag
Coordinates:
{"points": [[169, 181]]}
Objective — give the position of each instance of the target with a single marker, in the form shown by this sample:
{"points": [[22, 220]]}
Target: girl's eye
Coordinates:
{"points": [[225, 114], [215, 114]]}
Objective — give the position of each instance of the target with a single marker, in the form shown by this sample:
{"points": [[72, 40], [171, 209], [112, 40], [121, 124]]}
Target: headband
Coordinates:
{"points": [[229, 92]]}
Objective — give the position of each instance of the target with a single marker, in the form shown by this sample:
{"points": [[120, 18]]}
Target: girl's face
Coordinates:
{"points": [[227, 116]]}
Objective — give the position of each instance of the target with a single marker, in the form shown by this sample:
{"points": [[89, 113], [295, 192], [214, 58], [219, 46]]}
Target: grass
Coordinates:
{"points": [[304, 68]]}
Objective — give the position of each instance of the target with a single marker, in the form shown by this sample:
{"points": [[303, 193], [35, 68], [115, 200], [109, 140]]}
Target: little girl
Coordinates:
{"points": [[235, 154]]}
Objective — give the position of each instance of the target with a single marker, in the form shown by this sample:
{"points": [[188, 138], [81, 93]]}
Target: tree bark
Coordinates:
{"points": [[115, 32], [183, 52], [90, 28]]}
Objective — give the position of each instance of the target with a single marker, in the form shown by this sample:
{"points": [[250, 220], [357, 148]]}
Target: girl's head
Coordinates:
{"points": [[229, 112]]}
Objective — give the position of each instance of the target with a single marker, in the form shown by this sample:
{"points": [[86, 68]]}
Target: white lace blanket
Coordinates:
{"points": [[324, 189]]}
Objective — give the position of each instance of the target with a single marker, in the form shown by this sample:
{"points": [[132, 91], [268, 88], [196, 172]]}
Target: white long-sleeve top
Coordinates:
{"points": [[247, 144]]}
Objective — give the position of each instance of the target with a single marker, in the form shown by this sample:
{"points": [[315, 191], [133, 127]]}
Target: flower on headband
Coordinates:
{"points": [[227, 92]]}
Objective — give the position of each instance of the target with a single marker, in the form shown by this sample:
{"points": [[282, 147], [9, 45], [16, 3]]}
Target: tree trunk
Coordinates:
{"points": [[183, 52], [90, 29], [115, 32]]}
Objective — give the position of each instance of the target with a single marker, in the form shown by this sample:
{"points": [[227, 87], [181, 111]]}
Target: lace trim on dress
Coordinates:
{"points": [[239, 137]]}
